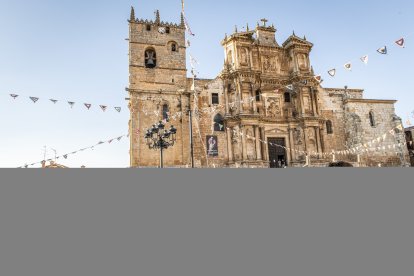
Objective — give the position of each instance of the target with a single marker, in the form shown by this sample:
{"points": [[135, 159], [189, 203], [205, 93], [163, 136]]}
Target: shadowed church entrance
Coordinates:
{"points": [[277, 152]]}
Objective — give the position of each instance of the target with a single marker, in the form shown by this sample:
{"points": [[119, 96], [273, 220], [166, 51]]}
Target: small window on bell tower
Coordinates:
{"points": [[150, 58], [174, 47], [167, 30], [148, 27]]}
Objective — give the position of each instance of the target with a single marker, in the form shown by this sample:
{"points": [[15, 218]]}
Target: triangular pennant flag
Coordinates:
{"points": [[382, 50], [103, 107], [118, 109], [88, 106], [119, 138], [14, 96], [290, 87], [348, 66], [65, 156], [365, 59], [53, 101], [318, 78], [332, 72], [71, 104], [34, 99], [100, 143], [400, 42], [110, 141], [188, 43]]}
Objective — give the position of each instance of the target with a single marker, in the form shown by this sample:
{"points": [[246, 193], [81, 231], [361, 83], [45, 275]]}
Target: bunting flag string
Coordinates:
{"points": [[187, 27], [383, 51], [66, 155], [71, 103]]}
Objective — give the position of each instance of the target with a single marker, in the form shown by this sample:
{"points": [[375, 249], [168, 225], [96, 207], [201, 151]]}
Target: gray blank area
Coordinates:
{"points": [[328, 222]]}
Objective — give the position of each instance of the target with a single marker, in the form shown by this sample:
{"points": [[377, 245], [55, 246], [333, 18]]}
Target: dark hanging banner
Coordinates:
{"points": [[212, 146]]}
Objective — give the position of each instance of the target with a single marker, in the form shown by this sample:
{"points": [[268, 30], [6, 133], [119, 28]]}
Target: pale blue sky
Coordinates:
{"points": [[76, 50]]}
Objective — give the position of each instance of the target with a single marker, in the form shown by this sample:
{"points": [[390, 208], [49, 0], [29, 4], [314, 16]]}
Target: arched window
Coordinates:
{"points": [[329, 129], [258, 95], [218, 123], [167, 30], [150, 58], [165, 112], [372, 119], [174, 47], [287, 97]]}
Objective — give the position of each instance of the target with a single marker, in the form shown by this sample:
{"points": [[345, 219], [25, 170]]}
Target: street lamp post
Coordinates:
{"points": [[160, 138]]}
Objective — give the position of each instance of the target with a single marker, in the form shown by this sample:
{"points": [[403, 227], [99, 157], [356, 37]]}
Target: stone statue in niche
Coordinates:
{"points": [[251, 147], [273, 109], [235, 139], [269, 64], [302, 62], [306, 104], [311, 133], [244, 54], [298, 136]]}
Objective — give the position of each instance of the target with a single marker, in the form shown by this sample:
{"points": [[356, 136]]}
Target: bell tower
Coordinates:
{"points": [[157, 83]]}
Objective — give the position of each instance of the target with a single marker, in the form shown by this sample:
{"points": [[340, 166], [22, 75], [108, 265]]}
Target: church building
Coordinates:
{"points": [[265, 109]]}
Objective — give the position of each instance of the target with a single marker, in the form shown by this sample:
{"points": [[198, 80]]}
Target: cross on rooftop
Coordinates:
{"points": [[264, 20]]}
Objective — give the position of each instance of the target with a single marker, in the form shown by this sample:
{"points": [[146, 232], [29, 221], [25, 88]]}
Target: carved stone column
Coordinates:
{"points": [[258, 146], [244, 144], [265, 146], [226, 96], [230, 145], [318, 137], [305, 132], [291, 145], [240, 97]]}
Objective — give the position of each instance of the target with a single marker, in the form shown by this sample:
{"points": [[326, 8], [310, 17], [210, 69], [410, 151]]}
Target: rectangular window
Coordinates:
{"points": [[148, 27], [258, 95], [215, 98]]}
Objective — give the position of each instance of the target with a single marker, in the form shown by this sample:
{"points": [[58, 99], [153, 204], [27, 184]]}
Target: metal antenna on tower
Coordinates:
{"points": [[44, 153]]}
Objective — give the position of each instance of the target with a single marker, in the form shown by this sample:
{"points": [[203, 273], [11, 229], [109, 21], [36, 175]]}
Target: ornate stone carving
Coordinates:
{"points": [[298, 133], [269, 64], [302, 61], [244, 56], [235, 137], [273, 109]]}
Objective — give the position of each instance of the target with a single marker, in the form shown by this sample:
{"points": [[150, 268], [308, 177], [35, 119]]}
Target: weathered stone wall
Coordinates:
{"points": [[359, 131]]}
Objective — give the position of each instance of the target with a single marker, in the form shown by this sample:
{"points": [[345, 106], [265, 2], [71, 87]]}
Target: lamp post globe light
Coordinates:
{"points": [[160, 138]]}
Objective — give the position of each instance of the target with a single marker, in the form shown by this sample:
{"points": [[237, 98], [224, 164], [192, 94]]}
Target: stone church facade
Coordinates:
{"points": [[264, 109]]}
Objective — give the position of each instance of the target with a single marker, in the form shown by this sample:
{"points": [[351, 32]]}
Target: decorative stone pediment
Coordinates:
{"points": [[276, 131]]}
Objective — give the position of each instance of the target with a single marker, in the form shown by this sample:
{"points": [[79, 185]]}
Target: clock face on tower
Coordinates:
{"points": [[161, 30]]}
